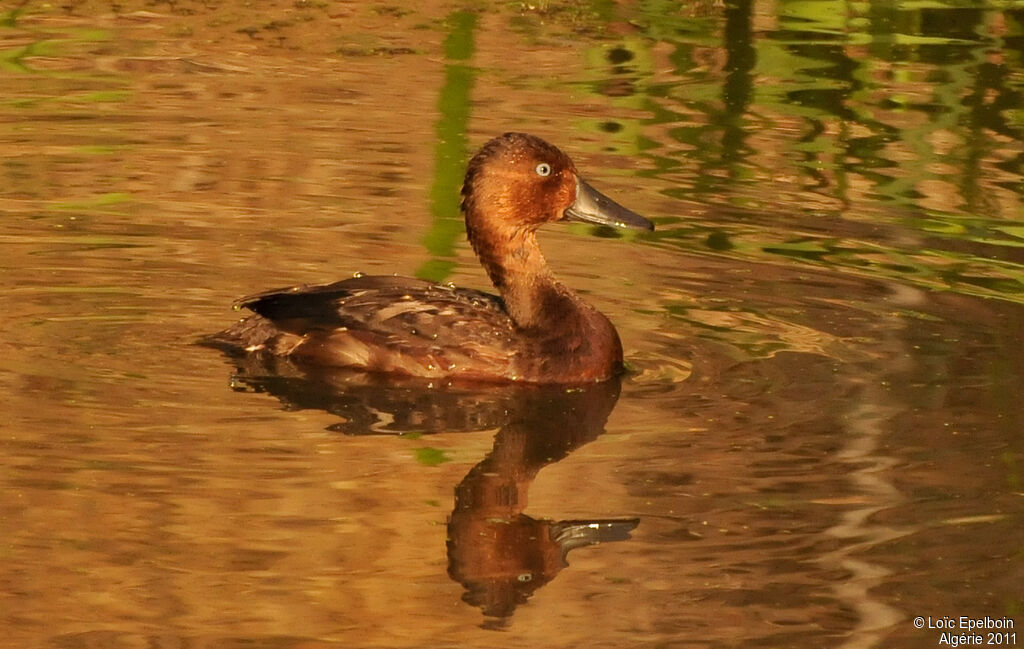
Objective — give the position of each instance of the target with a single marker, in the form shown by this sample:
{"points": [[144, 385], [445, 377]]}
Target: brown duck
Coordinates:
{"points": [[538, 331]]}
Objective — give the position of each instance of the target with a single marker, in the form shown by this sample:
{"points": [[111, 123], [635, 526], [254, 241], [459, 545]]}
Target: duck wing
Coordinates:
{"points": [[380, 323]]}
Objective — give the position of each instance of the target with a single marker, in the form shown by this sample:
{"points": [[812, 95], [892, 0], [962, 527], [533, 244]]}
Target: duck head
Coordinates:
{"points": [[519, 182]]}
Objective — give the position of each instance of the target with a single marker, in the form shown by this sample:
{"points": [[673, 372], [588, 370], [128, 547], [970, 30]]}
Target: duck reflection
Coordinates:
{"points": [[500, 555]]}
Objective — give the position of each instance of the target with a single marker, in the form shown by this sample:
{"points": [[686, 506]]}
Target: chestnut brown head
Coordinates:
{"points": [[524, 182]]}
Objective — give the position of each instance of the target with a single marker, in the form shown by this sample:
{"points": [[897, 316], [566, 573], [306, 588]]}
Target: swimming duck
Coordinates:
{"points": [[538, 331]]}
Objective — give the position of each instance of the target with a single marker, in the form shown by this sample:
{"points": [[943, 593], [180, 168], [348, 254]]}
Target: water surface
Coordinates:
{"points": [[819, 439]]}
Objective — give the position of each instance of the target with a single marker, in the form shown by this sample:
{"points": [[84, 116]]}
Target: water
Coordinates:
{"points": [[820, 438]]}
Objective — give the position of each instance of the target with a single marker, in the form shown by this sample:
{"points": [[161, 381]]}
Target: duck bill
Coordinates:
{"points": [[591, 206]]}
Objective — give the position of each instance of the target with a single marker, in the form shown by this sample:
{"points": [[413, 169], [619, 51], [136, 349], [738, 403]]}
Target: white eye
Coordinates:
{"points": [[543, 169]]}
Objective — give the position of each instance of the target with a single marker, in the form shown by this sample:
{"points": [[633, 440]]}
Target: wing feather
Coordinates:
{"points": [[381, 323]]}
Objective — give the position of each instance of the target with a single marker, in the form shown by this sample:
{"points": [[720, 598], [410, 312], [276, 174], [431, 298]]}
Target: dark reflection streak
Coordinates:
{"points": [[834, 102], [737, 96], [809, 157], [1013, 51], [987, 102], [970, 189], [842, 191], [863, 155], [737, 90], [860, 155]]}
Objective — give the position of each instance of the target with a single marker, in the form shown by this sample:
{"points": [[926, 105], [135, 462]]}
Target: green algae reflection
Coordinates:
{"points": [[450, 154]]}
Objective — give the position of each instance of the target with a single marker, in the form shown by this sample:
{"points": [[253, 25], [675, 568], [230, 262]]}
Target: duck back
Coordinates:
{"points": [[381, 324]]}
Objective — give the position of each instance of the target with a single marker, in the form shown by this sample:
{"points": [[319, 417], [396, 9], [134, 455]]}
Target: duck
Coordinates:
{"points": [[536, 331]]}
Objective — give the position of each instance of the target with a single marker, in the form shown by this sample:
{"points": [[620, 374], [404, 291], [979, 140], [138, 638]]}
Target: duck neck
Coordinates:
{"points": [[520, 273]]}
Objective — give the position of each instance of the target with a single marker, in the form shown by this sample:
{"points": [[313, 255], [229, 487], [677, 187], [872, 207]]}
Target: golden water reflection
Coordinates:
{"points": [[820, 433]]}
